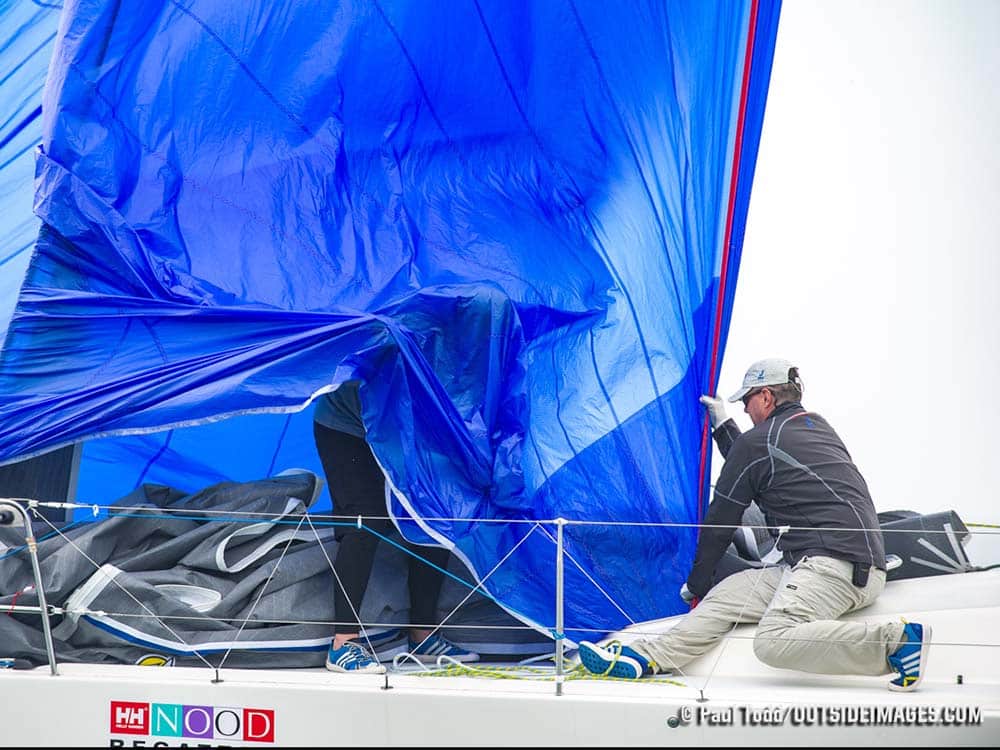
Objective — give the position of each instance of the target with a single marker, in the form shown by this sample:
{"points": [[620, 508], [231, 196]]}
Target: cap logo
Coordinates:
{"points": [[760, 374]]}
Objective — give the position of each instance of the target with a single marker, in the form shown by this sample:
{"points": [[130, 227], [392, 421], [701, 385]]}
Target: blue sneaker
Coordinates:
{"points": [[614, 661], [910, 659], [435, 646], [352, 657]]}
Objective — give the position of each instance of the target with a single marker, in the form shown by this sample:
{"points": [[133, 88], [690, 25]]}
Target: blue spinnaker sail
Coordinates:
{"points": [[27, 33], [508, 219]]}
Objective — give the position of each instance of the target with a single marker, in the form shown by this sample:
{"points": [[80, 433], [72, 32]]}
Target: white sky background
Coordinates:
{"points": [[872, 251]]}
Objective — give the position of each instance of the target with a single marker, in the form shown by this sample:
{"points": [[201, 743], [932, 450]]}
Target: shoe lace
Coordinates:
{"points": [[615, 647], [358, 653]]}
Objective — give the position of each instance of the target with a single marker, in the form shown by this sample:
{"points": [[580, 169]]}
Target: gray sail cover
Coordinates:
{"points": [[196, 579]]}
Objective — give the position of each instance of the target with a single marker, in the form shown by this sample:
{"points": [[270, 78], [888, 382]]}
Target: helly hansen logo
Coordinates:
{"points": [[129, 718], [195, 722]]}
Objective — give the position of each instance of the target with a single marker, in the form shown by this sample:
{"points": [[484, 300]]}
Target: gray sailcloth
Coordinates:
{"points": [[199, 579]]}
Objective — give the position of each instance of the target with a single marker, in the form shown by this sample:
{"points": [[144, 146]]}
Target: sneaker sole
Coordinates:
{"points": [[925, 646], [626, 667], [373, 669]]}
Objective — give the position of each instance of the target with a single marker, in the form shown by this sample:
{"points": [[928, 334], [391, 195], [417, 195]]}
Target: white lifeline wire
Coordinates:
{"points": [[99, 568], [437, 627], [263, 588], [476, 588], [974, 528], [949, 532], [725, 638], [590, 578], [361, 628]]}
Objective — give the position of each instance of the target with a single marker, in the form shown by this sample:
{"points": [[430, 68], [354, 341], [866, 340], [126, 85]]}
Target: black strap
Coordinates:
{"points": [[860, 575]]}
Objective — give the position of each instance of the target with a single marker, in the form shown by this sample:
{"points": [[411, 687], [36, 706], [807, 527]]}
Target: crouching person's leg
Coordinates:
{"points": [[742, 597], [800, 629]]}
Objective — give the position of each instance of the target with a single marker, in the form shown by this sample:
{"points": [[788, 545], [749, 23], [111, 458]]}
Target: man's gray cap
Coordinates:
{"points": [[764, 372]]}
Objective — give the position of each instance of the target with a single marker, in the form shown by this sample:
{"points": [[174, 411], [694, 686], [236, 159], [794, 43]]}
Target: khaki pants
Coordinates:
{"points": [[797, 609]]}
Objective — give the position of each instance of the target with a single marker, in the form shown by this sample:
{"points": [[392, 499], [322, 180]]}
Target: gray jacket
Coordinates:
{"points": [[800, 474]]}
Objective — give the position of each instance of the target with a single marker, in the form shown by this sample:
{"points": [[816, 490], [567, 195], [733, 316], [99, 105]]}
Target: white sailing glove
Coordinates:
{"points": [[686, 594], [716, 410]]}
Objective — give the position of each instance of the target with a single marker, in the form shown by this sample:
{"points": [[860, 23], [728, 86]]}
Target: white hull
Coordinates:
{"points": [[315, 707]]}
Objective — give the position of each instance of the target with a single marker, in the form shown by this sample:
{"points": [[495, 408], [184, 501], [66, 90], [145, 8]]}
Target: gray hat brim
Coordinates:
{"points": [[738, 396]]}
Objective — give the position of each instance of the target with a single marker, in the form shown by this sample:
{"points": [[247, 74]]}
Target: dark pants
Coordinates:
{"points": [[357, 487]]}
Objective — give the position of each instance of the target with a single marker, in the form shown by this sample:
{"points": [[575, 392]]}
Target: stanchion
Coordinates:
{"points": [[560, 523], [32, 544]]}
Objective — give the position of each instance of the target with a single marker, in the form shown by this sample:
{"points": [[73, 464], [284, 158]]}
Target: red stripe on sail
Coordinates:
{"points": [[717, 332]]}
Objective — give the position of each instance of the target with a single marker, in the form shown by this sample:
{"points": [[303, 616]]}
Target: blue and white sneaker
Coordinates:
{"points": [[435, 646], [910, 659], [614, 661], [352, 657]]}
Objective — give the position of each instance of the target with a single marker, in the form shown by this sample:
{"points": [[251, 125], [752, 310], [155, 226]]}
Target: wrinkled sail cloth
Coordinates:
{"points": [[27, 35], [233, 573], [508, 219]]}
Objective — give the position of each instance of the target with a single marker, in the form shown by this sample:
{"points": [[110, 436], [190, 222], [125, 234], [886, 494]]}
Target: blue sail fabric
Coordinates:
{"points": [[27, 33], [507, 219]]}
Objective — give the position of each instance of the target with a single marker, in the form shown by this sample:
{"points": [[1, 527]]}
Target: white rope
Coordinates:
{"points": [[398, 659]]}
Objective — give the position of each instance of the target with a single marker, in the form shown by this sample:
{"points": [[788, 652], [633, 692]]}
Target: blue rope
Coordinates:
{"points": [[15, 550], [465, 583]]}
